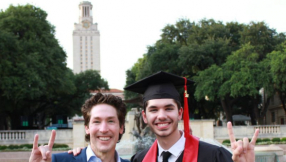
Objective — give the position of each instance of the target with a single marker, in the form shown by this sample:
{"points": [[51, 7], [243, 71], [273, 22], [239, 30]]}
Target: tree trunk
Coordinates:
{"points": [[254, 114], [227, 109], [282, 99]]}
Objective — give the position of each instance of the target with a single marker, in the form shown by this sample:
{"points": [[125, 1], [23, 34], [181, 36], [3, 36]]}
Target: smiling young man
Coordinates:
{"points": [[104, 119], [162, 112]]}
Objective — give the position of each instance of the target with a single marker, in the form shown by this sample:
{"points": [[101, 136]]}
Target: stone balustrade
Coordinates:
{"points": [[18, 137], [201, 128], [268, 129], [12, 135]]}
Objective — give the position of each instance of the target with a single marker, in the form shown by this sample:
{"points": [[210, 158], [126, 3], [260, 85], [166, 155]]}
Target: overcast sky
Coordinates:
{"points": [[127, 27]]}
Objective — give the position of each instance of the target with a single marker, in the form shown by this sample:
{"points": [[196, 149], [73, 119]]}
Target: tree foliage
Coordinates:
{"points": [[227, 61], [34, 79]]}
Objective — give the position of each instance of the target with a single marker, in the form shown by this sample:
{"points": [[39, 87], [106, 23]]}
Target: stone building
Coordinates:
{"points": [[86, 41]]}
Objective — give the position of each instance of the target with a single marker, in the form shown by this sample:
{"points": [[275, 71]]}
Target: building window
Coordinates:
{"points": [[24, 121], [273, 117], [80, 62], [60, 121], [80, 38]]}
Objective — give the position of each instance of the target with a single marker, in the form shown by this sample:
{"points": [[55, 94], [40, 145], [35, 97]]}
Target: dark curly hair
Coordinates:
{"points": [[109, 99]]}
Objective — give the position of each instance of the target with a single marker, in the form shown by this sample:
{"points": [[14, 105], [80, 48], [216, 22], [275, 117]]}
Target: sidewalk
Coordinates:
{"points": [[17, 156]]}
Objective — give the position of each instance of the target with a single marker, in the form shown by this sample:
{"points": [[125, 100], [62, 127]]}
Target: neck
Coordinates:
{"points": [[105, 156], [166, 142]]}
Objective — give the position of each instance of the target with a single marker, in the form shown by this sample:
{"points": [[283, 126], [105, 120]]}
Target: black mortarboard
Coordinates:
{"points": [[159, 85]]}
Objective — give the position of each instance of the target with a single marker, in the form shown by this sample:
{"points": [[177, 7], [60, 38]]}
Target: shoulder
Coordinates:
{"points": [[61, 156], [139, 156], [66, 157], [124, 160], [207, 150]]}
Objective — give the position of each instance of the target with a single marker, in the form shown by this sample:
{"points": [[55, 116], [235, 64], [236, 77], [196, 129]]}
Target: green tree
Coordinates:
{"points": [[276, 62], [226, 60], [34, 78]]}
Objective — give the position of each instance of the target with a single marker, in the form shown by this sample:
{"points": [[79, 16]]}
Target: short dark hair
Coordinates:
{"points": [[109, 99], [177, 102]]}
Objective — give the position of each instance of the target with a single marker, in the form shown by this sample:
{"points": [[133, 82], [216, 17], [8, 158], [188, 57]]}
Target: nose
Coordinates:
{"points": [[103, 127], [162, 114]]}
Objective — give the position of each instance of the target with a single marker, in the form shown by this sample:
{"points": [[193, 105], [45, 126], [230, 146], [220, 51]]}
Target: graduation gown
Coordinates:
{"points": [[207, 153]]}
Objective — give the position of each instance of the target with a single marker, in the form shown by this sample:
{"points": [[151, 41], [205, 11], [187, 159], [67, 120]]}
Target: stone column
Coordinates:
{"points": [[79, 133]]}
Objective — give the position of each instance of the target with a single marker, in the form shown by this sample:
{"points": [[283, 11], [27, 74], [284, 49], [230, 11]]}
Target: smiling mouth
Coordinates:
{"points": [[163, 124], [104, 138]]}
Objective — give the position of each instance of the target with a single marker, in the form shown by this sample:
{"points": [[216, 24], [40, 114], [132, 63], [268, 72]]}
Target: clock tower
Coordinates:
{"points": [[86, 51]]}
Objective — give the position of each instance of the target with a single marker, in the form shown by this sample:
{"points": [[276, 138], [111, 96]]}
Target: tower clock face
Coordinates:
{"points": [[85, 24]]}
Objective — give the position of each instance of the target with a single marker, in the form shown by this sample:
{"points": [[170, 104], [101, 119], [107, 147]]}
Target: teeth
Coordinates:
{"points": [[161, 125], [104, 138]]}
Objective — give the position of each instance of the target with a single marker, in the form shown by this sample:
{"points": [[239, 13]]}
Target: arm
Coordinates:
{"points": [[243, 150], [42, 153]]}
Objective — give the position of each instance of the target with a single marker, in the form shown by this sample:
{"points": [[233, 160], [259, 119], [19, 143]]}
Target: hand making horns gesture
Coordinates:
{"points": [[42, 153], [242, 150]]}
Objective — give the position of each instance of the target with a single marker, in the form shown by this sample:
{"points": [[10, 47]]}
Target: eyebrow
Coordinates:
{"points": [[168, 105], [110, 117]]}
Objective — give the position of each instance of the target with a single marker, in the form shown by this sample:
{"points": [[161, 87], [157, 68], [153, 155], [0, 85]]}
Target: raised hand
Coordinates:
{"points": [[75, 151], [242, 150], [42, 153]]}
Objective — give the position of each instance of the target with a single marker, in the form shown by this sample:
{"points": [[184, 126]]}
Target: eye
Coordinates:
{"points": [[152, 110], [169, 108], [96, 121], [111, 121]]}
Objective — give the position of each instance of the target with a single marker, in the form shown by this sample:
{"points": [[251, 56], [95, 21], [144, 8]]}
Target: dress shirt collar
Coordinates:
{"points": [[175, 150], [90, 154]]}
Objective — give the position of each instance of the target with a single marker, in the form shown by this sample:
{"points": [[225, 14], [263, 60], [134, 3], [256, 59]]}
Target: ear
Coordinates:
{"points": [[87, 130], [144, 116], [180, 113], [121, 130]]}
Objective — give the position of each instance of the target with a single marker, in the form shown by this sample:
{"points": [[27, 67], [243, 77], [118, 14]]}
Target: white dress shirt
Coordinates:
{"points": [[175, 150]]}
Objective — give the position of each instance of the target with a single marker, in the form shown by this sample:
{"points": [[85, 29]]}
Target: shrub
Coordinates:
{"points": [[283, 139], [258, 140], [56, 145], [275, 139], [3, 147], [13, 147], [226, 141], [266, 140], [29, 146]]}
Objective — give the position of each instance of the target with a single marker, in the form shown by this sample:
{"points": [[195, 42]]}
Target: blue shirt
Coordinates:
{"points": [[91, 157]]}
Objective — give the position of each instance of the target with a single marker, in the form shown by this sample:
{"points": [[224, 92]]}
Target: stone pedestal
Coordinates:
{"points": [[200, 128], [79, 134], [269, 153]]}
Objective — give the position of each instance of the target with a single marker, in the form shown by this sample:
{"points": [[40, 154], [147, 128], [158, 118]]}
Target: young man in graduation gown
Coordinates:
{"points": [[162, 112], [104, 118]]}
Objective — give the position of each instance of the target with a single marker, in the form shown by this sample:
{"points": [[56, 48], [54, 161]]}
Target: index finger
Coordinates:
{"points": [[35, 143], [52, 139], [254, 138], [230, 132]]}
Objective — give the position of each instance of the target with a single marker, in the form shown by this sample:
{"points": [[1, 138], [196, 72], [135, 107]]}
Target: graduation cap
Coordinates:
{"points": [[159, 85], [163, 85]]}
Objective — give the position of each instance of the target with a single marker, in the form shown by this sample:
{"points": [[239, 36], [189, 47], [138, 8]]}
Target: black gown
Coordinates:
{"points": [[207, 153]]}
